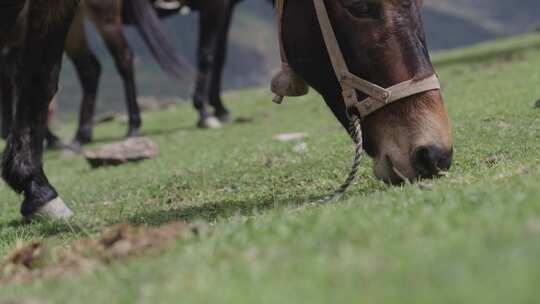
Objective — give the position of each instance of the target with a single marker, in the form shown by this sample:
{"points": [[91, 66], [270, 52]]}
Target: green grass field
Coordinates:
{"points": [[471, 237]]}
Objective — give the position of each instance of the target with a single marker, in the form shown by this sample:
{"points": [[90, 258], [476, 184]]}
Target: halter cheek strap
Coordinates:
{"points": [[378, 97]]}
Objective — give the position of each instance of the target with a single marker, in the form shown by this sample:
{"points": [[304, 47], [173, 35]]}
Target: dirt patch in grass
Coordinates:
{"points": [[38, 261]]}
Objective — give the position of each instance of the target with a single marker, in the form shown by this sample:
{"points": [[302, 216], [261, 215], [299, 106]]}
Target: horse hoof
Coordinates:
{"points": [[209, 123], [53, 210]]}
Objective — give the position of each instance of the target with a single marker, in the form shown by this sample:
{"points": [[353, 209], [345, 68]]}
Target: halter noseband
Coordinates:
{"points": [[378, 97]]}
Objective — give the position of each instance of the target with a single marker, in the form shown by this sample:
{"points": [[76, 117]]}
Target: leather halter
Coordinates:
{"points": [[378, 97]]}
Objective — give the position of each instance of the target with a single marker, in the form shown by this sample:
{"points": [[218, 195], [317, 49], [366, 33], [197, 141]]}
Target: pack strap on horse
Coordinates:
{"points": [[288, 83]]}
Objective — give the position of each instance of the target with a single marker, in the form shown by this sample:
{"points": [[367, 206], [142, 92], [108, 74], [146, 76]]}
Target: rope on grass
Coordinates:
{"points": [[356, 133]]}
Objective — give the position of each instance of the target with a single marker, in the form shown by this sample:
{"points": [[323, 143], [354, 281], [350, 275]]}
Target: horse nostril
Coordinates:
{"points": [[429, 161]]}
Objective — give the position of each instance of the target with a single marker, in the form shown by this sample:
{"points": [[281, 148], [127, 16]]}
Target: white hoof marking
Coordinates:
{"points": [[211, 123], [54, 210]]}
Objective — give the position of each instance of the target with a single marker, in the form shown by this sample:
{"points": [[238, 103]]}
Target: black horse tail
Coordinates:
{"points": [[150, 27]]}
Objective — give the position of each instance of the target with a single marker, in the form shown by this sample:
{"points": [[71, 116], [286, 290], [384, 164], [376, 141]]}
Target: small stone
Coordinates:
{"points": [[537, 104], [426, 186], [523, 170], [533, 226], [503, 125], [129, 150], [285, 137]]}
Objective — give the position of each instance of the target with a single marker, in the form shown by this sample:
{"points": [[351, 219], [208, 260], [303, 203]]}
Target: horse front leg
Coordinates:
{"points": [[37, 73], [6, 94], [220, 111], [6, 106]]}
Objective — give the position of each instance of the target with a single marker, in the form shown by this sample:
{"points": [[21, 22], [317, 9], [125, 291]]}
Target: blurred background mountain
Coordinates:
{"points": [[253, 51]]}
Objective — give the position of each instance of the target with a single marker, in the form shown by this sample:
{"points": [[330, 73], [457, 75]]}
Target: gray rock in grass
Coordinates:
{"points": [[129, 150]]}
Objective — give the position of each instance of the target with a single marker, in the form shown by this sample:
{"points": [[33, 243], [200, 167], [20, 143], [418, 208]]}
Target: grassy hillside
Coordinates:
{"points": [[473, 236], [499, 17]]}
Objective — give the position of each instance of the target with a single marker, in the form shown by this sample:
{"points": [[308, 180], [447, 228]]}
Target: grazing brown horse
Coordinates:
{"points": [[383, 43], [36, 32]]}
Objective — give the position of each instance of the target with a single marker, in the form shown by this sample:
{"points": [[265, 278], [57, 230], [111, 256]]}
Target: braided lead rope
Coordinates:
{"points": [[356, 132]]}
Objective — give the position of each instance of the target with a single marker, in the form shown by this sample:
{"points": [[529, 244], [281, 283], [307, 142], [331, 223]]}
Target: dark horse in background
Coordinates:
{"points": [[383, 41], [214, 24], [109, 16]]}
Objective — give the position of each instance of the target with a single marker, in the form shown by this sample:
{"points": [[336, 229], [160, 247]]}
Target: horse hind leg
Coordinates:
{"points": [[111, 29], [37, 73]]}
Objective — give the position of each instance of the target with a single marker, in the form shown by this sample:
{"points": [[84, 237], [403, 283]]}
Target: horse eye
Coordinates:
{"points": [[364, 10]]}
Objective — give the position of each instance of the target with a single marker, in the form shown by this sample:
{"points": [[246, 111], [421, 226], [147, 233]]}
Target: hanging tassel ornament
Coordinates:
{"points": [[286, 82]]}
